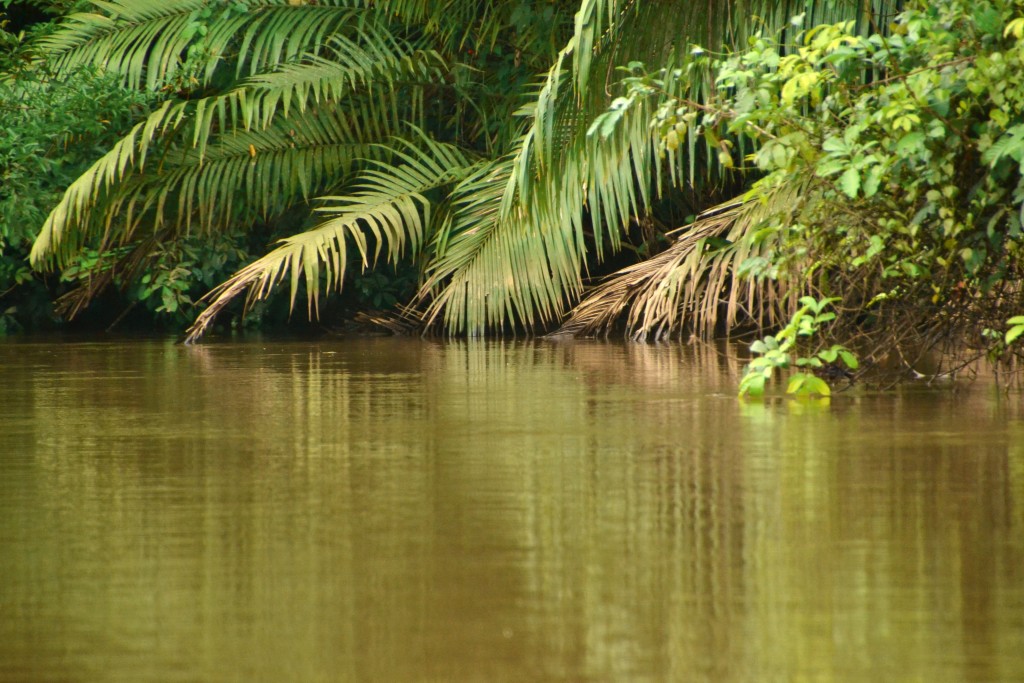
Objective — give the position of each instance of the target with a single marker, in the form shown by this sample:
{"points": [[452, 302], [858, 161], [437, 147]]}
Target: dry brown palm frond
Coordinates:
{"points": [[402, 321], [696, 279]]}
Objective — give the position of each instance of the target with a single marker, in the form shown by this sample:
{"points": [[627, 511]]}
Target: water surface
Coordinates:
{"points": [[407, 510]]}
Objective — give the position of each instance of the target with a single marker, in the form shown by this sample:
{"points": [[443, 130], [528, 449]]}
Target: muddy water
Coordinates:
{"points": [[406, 510]]}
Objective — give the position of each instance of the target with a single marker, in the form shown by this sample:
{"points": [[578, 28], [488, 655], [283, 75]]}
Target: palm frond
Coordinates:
{"points": [[699, 277], [146, 40], [593, 19], [119, 36], [271, 168], [280, 165], [346, 69], [332, 124], [388, 208], [56, 242], [563, 180], [494, 270], [518, 256]]}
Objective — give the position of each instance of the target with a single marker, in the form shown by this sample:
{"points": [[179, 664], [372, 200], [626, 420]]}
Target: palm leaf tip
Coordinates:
{"points": [[388, 207]]}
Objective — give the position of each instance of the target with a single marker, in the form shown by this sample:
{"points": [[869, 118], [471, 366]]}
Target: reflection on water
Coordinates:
{"points": [[405, 510]]}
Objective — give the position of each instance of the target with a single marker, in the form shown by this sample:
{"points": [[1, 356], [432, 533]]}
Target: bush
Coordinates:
{"points": [[50, 131], [908, 149]]}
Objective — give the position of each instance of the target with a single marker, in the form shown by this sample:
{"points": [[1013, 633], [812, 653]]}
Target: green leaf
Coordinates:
{"points": [[816, 385], [910, 143], [828, 167], [973, 259], [810, 303], [803, 384], [939, 101], [913, 270], [829, 355], [752, 385], [1010, 144], [873, 180], [849, 182], [837, 145]]}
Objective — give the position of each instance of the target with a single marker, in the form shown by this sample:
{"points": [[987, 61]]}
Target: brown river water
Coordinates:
{"points": [[411, 510]]}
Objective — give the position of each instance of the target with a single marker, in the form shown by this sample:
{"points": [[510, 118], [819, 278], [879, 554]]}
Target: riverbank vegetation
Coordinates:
{"points": [[585, 167]]}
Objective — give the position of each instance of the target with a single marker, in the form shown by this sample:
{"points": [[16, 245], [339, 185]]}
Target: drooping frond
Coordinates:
{"points": [[568, 178], [518, 256], [147, 40], [388, 208], [316, 82], [493, 269], [346, 67], [339, 106], [119, 36], [56, 242], [695, 280], [272, 169], [275, 167], [592, 20]]}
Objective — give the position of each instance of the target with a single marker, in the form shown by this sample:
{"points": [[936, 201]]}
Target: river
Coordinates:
{"points": [[413, 510]]}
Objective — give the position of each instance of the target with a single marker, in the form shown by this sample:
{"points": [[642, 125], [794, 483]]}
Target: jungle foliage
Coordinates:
{"points": [[491, 154], [900, 158], [52, 127], [449, 137]]}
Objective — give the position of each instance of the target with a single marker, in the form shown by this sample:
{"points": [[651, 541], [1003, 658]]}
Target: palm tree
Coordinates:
{"points": [[376, 119]]}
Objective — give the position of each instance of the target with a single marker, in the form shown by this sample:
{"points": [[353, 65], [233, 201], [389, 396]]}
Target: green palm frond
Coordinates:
{"points": [[494, 270], [317, 82], [593, 19], [332, 124], [517, 251], [276, 166], [388, 208], [519, 255], [147, 40], [564, 180], [347, 70], [63, 233], [271, 168]]}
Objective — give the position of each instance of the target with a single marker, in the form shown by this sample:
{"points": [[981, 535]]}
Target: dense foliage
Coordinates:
{"points": [[888, 174], [52, 127], [261, 107], [867, 158], [314, 93], [449, 138]]}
